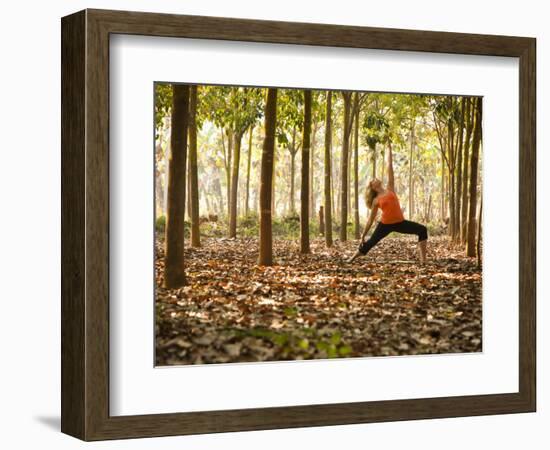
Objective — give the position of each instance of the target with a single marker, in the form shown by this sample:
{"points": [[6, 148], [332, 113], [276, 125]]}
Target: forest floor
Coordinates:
{"points": [[317, 306]]}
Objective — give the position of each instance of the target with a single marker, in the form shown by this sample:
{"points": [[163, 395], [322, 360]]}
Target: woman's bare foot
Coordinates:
{"points": [[354, 257]]}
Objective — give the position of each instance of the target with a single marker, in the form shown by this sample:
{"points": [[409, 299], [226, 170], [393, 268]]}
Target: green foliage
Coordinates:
{"points": [[447, 109], [160, 227], [318, 106], [160, 224], [287, 227], [290, 116], [375, 128], [224, 111], [163, 103], [248, 225], [303, 341], [231, 107]]}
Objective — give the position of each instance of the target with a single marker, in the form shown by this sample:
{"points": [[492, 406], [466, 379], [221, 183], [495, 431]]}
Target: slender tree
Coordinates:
{"points": [[273, 179], [233, 110], [248, 163], [480, 215], [470, 111], [471, 243], [228, 156], [174, 272], [444, 127], [458, 189], [311, 165], [442, 206], [266, 243], [293, 149], [234, 185], [304, 191], [321, 221], [411, 159], [242, 111], [193, 175], [344, 167], [451, 162], [328, 169], [357, 226]]}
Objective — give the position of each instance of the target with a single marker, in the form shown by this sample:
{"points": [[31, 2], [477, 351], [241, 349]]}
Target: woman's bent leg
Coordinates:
{"points": [[380, 232], [410, 227]]}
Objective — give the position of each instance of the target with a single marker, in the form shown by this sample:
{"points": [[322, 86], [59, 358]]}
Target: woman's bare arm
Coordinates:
{"points": [[391, 185], [370, 221]]}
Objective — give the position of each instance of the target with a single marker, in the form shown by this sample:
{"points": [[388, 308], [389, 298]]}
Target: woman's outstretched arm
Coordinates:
{"points": [[391, 184], [370, 221]]}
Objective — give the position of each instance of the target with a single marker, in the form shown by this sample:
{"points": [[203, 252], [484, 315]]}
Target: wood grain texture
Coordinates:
{"points": [[527, 224], [85, 224], [72, 224], [205, 27]]}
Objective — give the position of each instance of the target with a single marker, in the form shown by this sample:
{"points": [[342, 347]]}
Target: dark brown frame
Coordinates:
{"points": [[85, 224]]}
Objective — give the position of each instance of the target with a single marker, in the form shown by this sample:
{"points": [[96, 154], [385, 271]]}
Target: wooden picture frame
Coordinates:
{"points": [[85, 224]]}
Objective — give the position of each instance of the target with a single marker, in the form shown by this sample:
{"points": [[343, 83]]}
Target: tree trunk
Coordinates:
{"points": [[273, 181], [235, 184], [479, 232], [321, 221], [357, 226], [337, 188], [350, 154], [452, 174], [465, 172], [266, 180], [334, 195], [291, 206], [411, 215], [458, 197], [247, 197], [328, 192], [193, 175], [442, 212], [451, 184], [174, 273], [413, 199], [227, 166], [188, 188], [304, 191], [311, 171], [167, 153], [470, 246], [344, 169]]}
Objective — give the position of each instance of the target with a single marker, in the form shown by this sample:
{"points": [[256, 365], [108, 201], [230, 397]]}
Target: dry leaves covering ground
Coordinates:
{"points": [[317, 306]]}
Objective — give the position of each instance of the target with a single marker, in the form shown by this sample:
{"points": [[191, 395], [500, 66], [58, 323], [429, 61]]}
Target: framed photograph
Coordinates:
{"points": [[274, 224]]}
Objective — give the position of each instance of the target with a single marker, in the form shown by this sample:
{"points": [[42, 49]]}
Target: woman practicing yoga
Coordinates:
{"points": [[392, 219]]}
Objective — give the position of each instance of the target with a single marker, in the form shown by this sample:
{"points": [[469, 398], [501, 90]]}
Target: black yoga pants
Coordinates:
{"points": [[383, 229]]}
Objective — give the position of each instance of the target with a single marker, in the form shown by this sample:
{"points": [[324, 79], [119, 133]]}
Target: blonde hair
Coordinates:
{"points": [[370, 196]]}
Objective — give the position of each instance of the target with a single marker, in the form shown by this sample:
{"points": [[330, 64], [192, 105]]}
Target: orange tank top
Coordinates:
{"points": [[391, 209]]}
